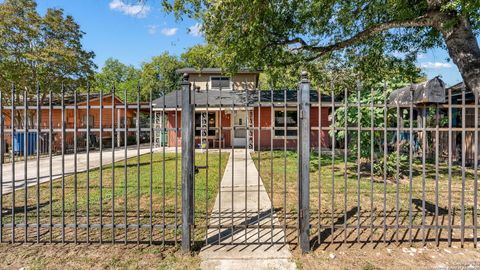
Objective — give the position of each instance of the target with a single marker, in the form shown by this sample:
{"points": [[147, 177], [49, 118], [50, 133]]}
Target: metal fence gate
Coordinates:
{"points": [[244, 211], [306, 167]]}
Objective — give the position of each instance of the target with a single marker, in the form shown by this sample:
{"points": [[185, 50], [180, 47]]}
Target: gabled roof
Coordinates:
{"points": [[457, 92], [457, 88], [69, 99], [82, 98], [229, 98]]}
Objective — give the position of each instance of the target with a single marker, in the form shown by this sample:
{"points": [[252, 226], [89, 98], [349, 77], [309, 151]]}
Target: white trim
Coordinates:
{"points": [[224, 108], [218, 88], [232, 124], [285, 131], [216, 126]]}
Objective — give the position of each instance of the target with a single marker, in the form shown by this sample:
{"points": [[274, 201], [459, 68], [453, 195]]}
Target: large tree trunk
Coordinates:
{"points": [[464, 51]]}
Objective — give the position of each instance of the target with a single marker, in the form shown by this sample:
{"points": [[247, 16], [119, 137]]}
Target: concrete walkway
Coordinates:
{"points": [[44, 175], [244, 200]]}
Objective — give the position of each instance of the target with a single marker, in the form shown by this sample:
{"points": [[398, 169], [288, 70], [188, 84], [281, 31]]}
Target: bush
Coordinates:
{"points": [[131, 140], [391, 166]]}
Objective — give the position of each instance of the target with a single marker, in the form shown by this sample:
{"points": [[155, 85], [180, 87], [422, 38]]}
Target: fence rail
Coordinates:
{"points": [[336, 167]]}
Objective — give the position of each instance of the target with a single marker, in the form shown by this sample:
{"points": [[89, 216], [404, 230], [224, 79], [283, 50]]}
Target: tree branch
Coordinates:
{"points": [[318, 51]]}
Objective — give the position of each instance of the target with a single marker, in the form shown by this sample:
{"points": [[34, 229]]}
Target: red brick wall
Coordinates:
{"points": [[227, 134], [176, 138], [265, 136], [69, 118]]}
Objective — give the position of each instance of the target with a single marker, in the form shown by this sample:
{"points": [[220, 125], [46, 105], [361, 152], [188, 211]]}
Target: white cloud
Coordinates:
{"points": [[135, 10], [434, 65], [152, 29], [169, 31], [195, 30], [421, 56]]}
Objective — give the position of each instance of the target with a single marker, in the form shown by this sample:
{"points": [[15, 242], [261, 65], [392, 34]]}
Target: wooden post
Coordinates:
{"points": [[304, 164], [187, 163]]}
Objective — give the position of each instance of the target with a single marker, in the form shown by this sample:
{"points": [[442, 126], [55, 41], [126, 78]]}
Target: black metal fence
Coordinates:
{"points": [[310, 168]]}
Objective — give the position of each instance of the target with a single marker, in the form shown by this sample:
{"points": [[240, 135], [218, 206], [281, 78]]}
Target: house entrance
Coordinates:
{"points": [[240, 128]]}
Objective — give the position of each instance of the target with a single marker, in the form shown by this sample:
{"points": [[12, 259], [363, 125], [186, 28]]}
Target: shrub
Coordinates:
{"points": [[391, 165]]}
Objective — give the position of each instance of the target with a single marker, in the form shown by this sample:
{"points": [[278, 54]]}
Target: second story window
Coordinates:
{"points": [[223, 82]]}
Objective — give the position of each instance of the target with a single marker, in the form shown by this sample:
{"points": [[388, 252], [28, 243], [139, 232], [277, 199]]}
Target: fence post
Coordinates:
{"points": [[304, 163], [187, 163], [2, 136]]}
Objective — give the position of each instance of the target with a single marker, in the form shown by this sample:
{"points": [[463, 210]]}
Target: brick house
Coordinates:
{"points": [[231, 112], [118, 120]]}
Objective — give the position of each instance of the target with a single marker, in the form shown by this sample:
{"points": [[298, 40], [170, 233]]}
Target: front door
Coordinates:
{"points": [[240, 125]]}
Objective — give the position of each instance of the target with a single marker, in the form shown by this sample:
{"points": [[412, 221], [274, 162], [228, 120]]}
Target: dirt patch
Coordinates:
{"points": [[389, 257], [345, 256], [70, 256]]}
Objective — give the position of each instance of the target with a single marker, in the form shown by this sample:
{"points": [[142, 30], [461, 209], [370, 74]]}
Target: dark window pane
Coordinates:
{"points": [[223, 82], [282, 120], [211, 124]]}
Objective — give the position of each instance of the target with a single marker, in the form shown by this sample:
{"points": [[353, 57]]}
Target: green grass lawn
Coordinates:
{"points": [[123, 199], [336, 192], [95, 256]]}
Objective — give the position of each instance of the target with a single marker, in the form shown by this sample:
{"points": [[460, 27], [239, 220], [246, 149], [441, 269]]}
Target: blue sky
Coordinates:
{"points": [[133, 34], [128, 32]]}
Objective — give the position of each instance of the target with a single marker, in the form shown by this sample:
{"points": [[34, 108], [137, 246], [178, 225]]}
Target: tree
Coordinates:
{"points": [[358, 113], [116, 74], [201, 56], [279, 32], [44, 51], [159, 75], [335, 74]]}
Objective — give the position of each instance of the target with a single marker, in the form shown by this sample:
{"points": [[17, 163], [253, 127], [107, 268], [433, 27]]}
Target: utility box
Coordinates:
{"points": [[19, 143]]}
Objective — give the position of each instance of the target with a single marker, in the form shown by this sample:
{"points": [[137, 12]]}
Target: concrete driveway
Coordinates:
{"points": [[44, 175]]}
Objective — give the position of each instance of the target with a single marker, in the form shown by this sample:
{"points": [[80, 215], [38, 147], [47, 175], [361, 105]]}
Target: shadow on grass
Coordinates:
{"points": [[21, 209], [429, 207], [325, 234]]}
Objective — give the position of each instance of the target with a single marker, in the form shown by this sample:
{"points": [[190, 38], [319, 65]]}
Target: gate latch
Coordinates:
{"points": [[197, 168]]}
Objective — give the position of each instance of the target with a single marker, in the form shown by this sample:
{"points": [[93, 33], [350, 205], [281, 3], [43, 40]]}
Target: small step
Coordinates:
{"points": [[250, 264]]}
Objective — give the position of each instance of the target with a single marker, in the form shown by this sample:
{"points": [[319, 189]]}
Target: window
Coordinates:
{"points": [[291, 122], [122, 122], [89, 121], [211, 124], [218, 82]]}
